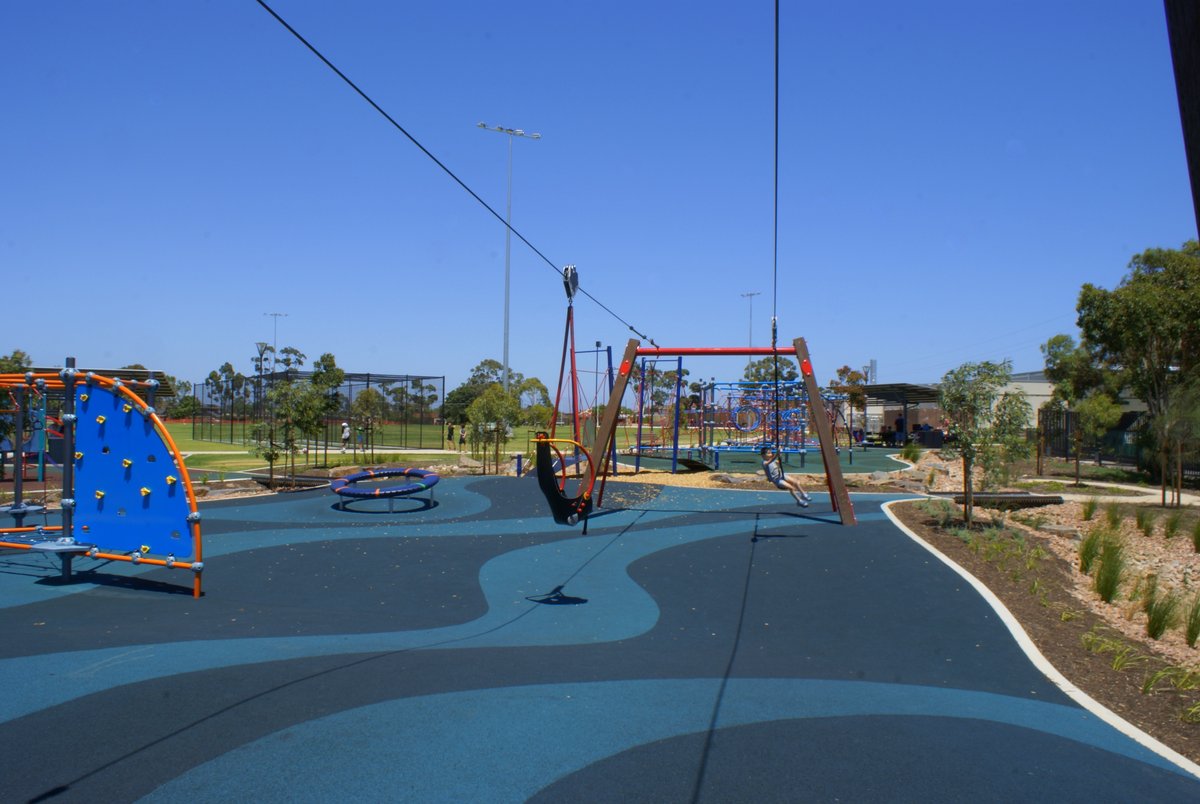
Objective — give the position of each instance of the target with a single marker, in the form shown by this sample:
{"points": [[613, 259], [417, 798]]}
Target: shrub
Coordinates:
{"points": [[1089, 548], [1144, 518], [1162, 612], [1191, 627], [911, 452], [1112, 515], [1089, 508], [1171, 524], [1111, 570]]}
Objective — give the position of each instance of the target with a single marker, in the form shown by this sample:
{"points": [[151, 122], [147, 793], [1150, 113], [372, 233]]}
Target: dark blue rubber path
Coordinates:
{"points": [[697, 645]]}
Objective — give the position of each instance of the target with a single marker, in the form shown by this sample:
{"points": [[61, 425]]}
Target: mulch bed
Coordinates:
{"points": [[1057, 622]]}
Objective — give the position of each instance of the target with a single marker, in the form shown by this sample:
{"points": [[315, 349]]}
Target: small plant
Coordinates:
{"points": [[911, 452], [1191, 626], [1089, 548], [1144, 518], [1067, 615], [1162, 612], [1112, 515], [1126, 656], [1154, 678], [1171, 524], [1089, 508], [1111, 569], [1148, 589], [1191, 714]]}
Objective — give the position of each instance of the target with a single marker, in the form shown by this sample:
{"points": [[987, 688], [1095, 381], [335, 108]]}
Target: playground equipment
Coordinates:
{"points": [[567, 509], [732, 417], [126, 494], [425, 480], [555, 489]]}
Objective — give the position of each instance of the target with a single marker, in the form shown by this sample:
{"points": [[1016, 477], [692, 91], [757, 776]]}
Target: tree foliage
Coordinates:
{"points": [[15, 362], [763, 370], [851, 382], [486, 374], [492, 414], [1083, 388], [987, 424], [1148, 331]]}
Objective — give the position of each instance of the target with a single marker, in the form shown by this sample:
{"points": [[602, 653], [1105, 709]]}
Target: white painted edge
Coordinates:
{"points": [[1043, 664]]}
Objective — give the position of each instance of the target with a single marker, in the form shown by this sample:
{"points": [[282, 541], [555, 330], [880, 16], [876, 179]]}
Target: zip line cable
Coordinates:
{"points": [[775, 237], [439, 163]]}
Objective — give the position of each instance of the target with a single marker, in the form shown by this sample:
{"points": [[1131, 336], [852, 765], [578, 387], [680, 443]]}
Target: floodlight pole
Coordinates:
{"points": [[511, 132], [750, 297]]}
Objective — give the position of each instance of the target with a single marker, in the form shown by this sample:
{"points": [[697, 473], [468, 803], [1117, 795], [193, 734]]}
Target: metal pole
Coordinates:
{"points": [[68, 459], [510, 133], [507, 259]]}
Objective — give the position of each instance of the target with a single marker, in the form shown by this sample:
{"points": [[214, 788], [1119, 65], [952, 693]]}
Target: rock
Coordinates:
{"points": [[721, 477], [879, 475], [1062, 530], [470, 463]]}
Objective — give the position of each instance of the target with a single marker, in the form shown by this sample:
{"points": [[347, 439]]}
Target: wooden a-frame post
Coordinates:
{"points": [[817, 415]]}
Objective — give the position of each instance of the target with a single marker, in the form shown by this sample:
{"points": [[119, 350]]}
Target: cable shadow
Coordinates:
{"points": [[702, 770]]}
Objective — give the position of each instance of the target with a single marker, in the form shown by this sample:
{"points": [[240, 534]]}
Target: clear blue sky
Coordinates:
{"points": [[950, 174]]}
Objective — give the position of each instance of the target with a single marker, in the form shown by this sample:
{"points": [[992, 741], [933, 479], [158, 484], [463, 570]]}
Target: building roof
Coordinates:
{"points": [[901, 393]]}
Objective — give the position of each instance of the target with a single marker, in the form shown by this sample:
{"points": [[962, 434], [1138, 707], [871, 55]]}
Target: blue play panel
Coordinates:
{"points": [[129, 495], [697, 645]]}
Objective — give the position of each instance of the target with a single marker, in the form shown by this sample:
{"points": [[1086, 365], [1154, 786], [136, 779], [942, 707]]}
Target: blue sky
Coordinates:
{"points": [[950, 174]]}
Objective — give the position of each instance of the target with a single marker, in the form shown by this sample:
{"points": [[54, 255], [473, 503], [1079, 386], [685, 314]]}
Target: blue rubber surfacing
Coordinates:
{"points": [[707, 645]]}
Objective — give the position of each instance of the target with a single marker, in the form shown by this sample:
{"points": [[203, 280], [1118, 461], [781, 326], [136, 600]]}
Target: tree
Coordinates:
{"points": [[1148, 329], [988, 427], [14, 363], [486, 374], [851, 382], [533, 392], [491, 415], [1080, 386], [764, 370], [367, 410]]}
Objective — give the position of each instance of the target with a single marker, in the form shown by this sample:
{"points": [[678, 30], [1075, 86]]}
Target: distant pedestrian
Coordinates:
{"points": [[462, 438], [345, 435], [450, 436]]}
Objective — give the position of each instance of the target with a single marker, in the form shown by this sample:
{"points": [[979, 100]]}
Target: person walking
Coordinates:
{"points": [[450, 437], [774, 471], [345, 435]]}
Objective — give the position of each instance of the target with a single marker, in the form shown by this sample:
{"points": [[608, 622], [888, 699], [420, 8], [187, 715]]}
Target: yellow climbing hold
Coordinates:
{"points": [[79, 456], [83, 397], [100, 420], [99, 494], [126, 463], [171, 480], [126, 408], [145, 491]]}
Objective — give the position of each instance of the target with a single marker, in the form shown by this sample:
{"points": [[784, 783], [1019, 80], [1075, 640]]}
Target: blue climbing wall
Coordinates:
{"points": [[130, 495]]}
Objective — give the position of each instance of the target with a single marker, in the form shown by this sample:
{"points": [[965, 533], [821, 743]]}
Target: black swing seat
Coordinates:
{"points": [[565, 510]]}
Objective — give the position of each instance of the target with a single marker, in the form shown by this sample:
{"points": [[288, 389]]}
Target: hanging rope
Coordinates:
{"points": [[775, 238]]}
